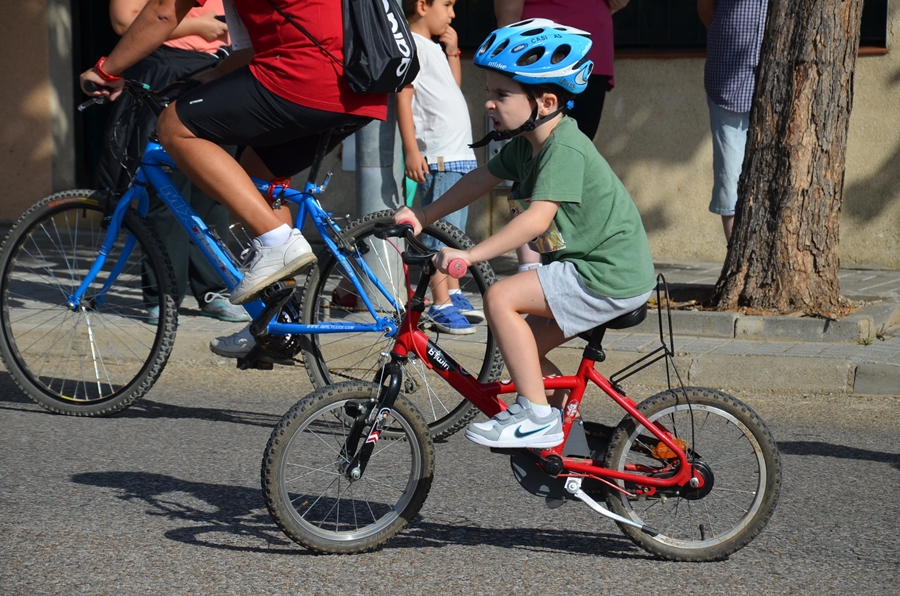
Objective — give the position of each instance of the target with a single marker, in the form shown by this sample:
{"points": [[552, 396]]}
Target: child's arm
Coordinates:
{"points": [[523, 228], [451, 48], [416, 164], [473, 185]]}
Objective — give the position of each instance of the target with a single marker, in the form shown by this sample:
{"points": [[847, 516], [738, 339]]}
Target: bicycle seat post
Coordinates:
{"points": [[321, 150]]}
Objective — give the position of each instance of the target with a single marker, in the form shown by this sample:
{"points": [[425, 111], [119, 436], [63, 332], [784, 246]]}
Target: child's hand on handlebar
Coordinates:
{"points": [[408, 215], [443, 259]]}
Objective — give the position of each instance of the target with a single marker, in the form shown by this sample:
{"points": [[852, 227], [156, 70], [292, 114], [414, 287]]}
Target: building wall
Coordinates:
{"points": [[654, 133], [28, 105]]}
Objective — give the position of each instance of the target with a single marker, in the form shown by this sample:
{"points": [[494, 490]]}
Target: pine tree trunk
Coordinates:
{"points": [[783, 255]]}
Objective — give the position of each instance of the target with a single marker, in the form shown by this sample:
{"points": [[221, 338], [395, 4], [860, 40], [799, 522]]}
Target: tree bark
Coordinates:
{"points": [[783, 255]]}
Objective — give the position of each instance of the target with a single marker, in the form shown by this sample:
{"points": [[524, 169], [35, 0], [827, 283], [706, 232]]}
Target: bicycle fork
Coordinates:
{"points": [[357, 460]]}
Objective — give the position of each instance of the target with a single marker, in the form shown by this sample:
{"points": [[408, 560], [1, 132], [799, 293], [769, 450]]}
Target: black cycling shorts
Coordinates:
{"points": [[237, 110]]}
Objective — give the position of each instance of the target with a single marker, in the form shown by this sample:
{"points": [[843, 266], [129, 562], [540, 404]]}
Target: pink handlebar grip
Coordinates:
{"points": [[457, 268], [408, 222]]}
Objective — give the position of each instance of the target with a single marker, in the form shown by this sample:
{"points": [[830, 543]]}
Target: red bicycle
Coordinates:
{"points": [[690, 474]]}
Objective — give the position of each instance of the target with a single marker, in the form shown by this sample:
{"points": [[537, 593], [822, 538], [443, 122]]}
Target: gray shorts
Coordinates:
{"points": [[576, 308]]}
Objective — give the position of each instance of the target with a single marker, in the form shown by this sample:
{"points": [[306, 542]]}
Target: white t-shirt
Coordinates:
{"points": [[440, 113]]}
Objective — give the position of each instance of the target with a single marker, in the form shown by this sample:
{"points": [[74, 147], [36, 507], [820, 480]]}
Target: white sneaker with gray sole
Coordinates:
{"points": [[269, 264]]}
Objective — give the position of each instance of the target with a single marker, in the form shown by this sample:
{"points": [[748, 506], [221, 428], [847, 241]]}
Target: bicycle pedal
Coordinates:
{"points": [[275, 290]]}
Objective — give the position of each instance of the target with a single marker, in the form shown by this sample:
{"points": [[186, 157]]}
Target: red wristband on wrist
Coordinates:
{"points": [[98, 68], [457, 54]]}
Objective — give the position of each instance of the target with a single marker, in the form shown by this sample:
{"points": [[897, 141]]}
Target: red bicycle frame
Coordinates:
{"points": [[410, 339]]}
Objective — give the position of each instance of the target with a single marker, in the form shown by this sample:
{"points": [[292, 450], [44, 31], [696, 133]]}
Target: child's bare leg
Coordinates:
{"points": [[505, 302], [548, 335]]}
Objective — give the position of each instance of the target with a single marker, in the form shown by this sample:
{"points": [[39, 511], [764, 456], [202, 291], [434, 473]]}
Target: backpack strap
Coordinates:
{"points": [[300, 28]]}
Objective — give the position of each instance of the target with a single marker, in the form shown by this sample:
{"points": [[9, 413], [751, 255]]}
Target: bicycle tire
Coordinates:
{"points": [[100, 358], [329, 512], [739, 461], [335, 357]]}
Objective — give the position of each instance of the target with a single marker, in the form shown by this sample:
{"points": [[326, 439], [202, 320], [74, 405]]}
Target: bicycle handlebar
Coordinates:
{"points": [[457, 268], [155, 100]]}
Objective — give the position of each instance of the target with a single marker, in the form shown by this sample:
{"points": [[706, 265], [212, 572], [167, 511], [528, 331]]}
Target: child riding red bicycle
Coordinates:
{"points": [[573, 209]]}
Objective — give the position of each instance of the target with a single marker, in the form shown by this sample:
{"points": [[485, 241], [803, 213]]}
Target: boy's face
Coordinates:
{"points": [[508, 105], [438, 15]]}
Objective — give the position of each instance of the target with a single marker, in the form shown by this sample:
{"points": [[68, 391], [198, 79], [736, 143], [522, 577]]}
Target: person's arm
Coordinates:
{"points": [[451, 48], [617, 5], [123, 12], [521, 229], [706, 9], [149, 30], [508, 11], [470, 187], [416, 164]]}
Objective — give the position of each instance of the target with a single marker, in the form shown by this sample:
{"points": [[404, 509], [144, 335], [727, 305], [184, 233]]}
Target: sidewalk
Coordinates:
{"points": [[859, 354]]}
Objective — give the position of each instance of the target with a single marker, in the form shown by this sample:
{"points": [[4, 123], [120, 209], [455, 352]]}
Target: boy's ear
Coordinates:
{"points": [[421, 7], [548, 102]]}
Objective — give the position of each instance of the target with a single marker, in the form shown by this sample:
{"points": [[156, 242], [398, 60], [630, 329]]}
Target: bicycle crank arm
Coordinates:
{"points": [[573, 486]]}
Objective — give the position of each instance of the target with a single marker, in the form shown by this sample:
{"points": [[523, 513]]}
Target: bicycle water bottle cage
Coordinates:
{"points": [[279, 186]]}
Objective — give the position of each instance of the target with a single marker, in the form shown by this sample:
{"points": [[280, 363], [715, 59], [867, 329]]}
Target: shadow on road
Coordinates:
{"points": [[823, 449], [234, 518]]}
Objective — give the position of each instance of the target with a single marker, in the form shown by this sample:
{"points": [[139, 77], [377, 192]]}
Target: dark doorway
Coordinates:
{"points": [[92, 37]]}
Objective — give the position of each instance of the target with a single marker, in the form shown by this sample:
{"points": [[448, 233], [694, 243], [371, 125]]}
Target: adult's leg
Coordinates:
{"points": [[589, 105], [729, 138]]}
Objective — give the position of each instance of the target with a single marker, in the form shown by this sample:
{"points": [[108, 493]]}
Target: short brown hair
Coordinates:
{"points": [[409, 6]]}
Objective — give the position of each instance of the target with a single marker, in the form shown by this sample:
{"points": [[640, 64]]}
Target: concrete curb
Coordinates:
{"points": [[721, 371], [861, 326]]}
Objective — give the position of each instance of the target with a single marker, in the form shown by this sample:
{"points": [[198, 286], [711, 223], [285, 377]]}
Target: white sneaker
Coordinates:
{"points": [[236, 345], [268, 264], [518, 426]]}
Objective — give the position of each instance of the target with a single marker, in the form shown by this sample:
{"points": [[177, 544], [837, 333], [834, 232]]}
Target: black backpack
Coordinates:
{"points": [[379, 50]]}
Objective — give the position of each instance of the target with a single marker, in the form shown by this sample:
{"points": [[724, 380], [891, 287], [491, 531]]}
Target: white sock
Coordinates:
{"points": [[528, 267], [540, 410], [456, 291], [441, 306], [276, 237]]}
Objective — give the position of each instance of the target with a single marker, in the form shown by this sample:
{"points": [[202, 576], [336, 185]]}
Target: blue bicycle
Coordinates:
{"points": [[80, 270]]}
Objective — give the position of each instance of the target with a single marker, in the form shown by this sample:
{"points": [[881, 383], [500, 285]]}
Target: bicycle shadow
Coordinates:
{"points": [[822, 449], [154, 410], [13, 398], [219, 516]]}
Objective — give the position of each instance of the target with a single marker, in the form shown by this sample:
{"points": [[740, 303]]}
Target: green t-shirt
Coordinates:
{"points": [[597, 226]]}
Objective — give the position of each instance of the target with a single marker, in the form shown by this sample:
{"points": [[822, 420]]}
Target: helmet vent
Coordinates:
{"points": [[487, 44], [532, 32], [560, 54], [531, 56], [500, 48]]}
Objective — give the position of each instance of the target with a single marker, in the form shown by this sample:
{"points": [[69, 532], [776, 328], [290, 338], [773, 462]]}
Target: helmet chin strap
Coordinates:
{"points": [[530, 124]]}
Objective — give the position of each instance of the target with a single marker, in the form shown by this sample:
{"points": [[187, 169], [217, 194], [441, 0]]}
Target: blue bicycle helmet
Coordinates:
{"points": [[539, 52]]}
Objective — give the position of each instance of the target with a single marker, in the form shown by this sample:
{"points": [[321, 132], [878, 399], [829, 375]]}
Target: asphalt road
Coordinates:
{"points": [[164, 498]]}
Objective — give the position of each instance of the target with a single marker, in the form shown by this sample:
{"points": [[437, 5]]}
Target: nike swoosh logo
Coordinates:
{"points": [[520, 435]]}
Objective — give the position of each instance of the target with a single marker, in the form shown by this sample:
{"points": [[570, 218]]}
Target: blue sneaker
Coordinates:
{"points": [[466, 309], [450, 320], [218, 306], [153, 316]]}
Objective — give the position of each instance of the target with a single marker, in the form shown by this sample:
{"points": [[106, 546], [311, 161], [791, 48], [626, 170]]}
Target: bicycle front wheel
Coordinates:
{"points": [[732, 450], [330, 297], [310, 490], [99, 356]]}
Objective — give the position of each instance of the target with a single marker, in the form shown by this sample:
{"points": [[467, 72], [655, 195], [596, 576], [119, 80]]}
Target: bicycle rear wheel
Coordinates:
{"points": [[335, 357], [100, 357], [309, 489], [732, 450]]}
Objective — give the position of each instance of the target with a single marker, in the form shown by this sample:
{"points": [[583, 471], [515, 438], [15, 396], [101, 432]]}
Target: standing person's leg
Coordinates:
{"points": [[729, 138], [589, 105], [206, 285], [445, 315]]}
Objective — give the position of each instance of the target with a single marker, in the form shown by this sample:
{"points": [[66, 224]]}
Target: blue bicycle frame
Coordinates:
{"points": [[151, 172]]}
